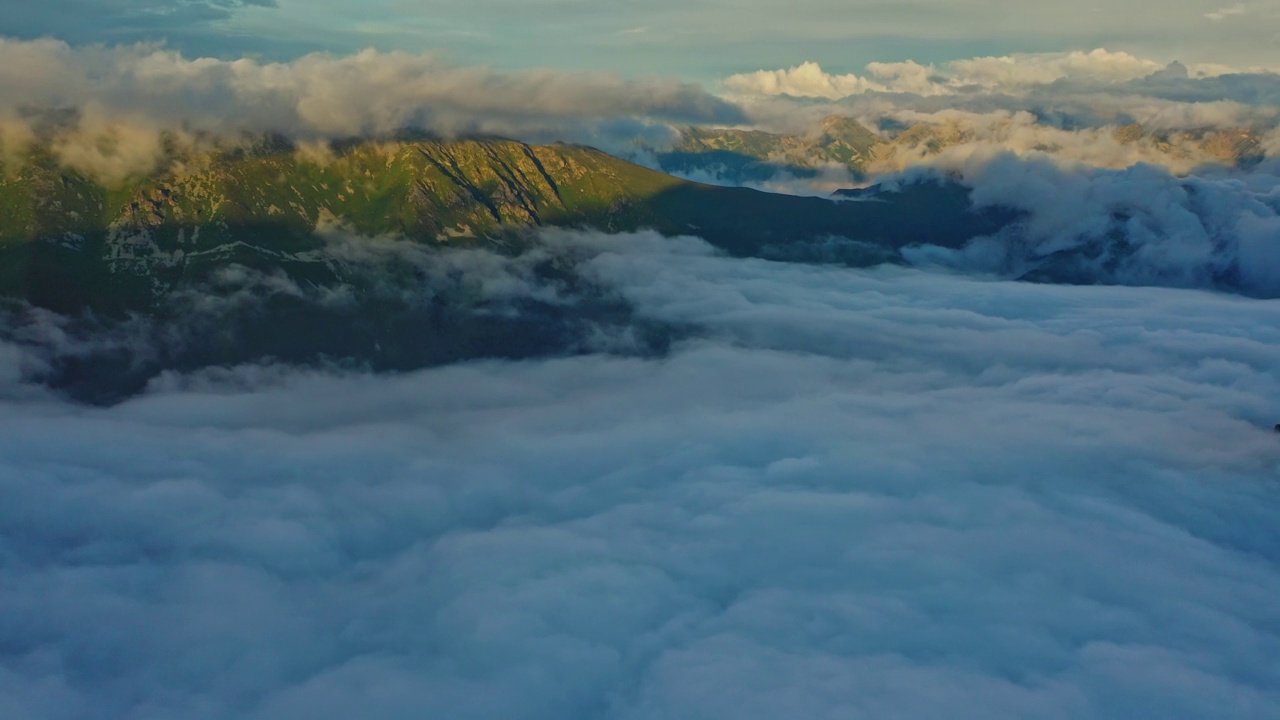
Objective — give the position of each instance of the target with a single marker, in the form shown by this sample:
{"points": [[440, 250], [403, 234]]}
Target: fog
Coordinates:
{"points": [[845, 493], [116, 110], [1137, 226]]}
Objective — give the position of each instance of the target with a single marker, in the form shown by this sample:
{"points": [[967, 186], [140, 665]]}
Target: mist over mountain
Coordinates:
{"points": [[364, 255], [361, 253], [741, 157]]}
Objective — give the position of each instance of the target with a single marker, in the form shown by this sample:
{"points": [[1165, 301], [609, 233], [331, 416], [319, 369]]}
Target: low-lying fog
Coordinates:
{"points": [[846, 494]]}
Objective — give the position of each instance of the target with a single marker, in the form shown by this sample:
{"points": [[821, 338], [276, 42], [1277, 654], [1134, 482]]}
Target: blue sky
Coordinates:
{"points": [[696, 39]]}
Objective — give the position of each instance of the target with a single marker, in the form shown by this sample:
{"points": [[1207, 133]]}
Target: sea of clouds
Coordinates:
{"points": [[844, 494]]}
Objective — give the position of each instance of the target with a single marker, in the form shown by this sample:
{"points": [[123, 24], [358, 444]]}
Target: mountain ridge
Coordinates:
{"points": [[229, 206], [741, 156], [269, 253]]}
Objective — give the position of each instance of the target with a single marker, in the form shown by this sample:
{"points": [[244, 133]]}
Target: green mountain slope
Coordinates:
{"points": [[125, 246], [68, 242], [231, 257]]}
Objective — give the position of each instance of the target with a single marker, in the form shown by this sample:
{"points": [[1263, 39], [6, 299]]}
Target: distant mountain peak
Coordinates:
{"points": [[1173, 71]]}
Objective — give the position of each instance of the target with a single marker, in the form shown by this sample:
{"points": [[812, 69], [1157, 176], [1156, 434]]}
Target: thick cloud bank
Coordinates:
{"points": [[1137, 226], [856, 494], [374, 303], [1006, 74], [325, 96], [124, 110], [1108, 109]]}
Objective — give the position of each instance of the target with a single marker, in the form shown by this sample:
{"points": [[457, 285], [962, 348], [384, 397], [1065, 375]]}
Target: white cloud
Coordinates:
{"points": [[1023, 70], [1140, 225], [807, 79], [128, 103], [859, 494], [1002, 74], [1184, 138], [327, 96], [1068, 105]]}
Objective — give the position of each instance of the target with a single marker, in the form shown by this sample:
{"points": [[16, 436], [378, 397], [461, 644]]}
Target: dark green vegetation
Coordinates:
{"points": [[266, 252]]}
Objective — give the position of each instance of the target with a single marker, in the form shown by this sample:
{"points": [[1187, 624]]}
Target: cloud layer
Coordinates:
{"points": [[1005, 74], [857, 494], [323, 96], [1008, 73], [118, 110], [1062, 96], [1138, 226]]}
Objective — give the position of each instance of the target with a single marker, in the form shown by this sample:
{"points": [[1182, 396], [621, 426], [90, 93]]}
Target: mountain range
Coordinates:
{"points": [[229, 256], [743, 156]]}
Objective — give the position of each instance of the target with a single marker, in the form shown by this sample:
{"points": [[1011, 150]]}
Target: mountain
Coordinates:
{"points": [[125, 246], [1235, 147], [743, 156], [230, 256], [262, 206], [756, 155]]}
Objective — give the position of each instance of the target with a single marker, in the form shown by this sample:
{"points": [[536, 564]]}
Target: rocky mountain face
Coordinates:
{"points": [[1241, 147], [755, 155], [741, 156], [263, 206], [837, 140]]}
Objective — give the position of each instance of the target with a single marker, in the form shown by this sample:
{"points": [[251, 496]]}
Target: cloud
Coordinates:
{"points": [[1139, 225], [384, 304], [1004, 74], [1226, 12], [323, 96], [1187, 120], [120, 111], [1240, 101], [857, 493], [1107, 109], [807, 79], [1185, 139], [1096, 69]]}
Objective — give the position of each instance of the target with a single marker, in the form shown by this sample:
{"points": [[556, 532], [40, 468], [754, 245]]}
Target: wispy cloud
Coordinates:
{"points": [[1226, 12]]}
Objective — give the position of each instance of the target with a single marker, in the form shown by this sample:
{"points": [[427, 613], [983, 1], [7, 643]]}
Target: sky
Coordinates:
{"points": [[694, 39]]}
